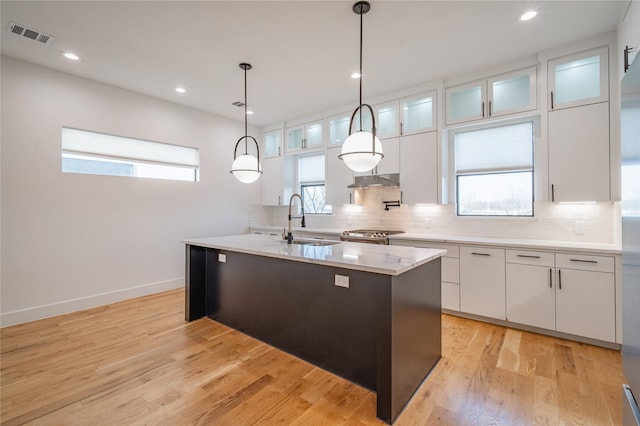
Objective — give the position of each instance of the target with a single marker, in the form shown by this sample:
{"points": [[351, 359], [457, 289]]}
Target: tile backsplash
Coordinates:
{"points": [[580, 222]]}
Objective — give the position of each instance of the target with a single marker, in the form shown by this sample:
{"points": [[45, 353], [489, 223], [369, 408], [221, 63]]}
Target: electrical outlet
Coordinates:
{"points": [[342, 281], [222, 258], [578, 227]]}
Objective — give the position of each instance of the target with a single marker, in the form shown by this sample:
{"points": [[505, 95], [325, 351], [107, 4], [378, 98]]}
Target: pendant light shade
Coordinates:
{"points": [[362, 150], [245, 167]]}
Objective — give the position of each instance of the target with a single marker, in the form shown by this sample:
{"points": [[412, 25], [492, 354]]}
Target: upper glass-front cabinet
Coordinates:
{"points": [[418, 113], [338, 128], [272, 143], [579, 79], [387, 119], [496, 96], [306, 136]]}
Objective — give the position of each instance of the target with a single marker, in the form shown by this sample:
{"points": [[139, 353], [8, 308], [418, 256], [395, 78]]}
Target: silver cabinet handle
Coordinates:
{"points": [[550, 277], [482, 109], [489, 108], [559, 279], [480, 254], [401, 128], [583, 261], [552, 99], [529, 256], [553, 193]]}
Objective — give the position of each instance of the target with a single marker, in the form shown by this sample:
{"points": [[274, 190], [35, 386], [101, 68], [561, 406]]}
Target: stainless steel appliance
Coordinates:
{"points": [[630, 172], [371, 236]]}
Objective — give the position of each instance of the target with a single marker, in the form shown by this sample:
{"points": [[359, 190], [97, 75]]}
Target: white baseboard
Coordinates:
{"points": [[67, 306]]}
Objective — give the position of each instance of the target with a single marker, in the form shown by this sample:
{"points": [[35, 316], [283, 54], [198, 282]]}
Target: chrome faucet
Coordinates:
{"points": [[289, 237]]}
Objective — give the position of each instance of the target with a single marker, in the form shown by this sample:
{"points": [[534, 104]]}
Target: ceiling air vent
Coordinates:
{"points": [[34, 35], [238, 104]]}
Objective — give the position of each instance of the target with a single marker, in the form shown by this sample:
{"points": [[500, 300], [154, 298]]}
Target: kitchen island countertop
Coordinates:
{"points": [[382, 259]]}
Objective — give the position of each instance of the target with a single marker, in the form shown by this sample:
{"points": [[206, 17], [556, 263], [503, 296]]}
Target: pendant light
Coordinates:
{"points": [[362, 150], [246, 168]]}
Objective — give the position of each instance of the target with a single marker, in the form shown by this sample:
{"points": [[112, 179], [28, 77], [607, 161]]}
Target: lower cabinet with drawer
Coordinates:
{"points": [[482, 281], [567, 292]]}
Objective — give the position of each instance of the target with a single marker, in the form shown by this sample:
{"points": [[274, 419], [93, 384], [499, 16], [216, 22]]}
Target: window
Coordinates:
{"points": [[101, 154], [494, 170], [311, 178]]}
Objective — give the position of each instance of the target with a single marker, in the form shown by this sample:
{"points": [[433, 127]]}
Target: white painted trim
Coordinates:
{"points": [[73, 305]]}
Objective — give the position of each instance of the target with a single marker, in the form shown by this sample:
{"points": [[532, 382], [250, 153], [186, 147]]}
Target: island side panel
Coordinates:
{"points": [[195, 282], [415, 346], [296, 307]]}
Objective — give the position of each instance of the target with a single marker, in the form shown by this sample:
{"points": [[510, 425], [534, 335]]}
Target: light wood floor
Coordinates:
{"points": [[139, 363]]}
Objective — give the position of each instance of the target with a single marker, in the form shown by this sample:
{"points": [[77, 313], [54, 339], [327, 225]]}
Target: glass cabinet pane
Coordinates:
{"points": [[272, 144], [387, 120], [579, 79], [294, 138], [465, 103], [511, 93], [338, 129], [417, 114], [314, 135]]}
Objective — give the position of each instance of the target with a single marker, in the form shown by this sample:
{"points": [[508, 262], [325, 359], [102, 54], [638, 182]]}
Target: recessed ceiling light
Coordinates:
{"points": [[249, 112], [71, 56], [356, 75], [530, 14], [181, 90]]}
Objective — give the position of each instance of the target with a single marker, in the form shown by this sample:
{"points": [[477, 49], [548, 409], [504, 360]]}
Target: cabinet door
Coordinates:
{"points": [[295, 138], [531, 297], [313, 135], [338, 129], [272, 143], [512, 92], [418, 113], [339, 176], [272, 181], [391, 161], [482, 281], [585, 304], [579, 79], [450, 296], [387, 120], [419, 168], [465, 102], [579, 153]]}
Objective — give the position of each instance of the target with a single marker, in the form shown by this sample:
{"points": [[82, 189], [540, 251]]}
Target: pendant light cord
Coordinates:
{"points": [[361, 69], [246, 148]]}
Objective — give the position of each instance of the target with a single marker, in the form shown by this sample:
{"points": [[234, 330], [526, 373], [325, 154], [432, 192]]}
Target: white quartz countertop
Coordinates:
{"points": [[522, 243], [381, 259]]}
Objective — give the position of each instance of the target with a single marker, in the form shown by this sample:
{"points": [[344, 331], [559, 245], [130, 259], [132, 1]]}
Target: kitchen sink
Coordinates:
{"points": [[307, 242]]}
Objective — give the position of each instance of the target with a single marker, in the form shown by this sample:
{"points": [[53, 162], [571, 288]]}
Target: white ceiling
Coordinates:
{"points": [[302, 52]]}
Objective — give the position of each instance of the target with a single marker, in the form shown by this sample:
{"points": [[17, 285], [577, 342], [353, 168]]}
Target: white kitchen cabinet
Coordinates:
{"points": [[272, 143], [390, 163], [482, 281], [496, 96], [306, 136], [419, 168], [272, 186], [387, 120], [338, 128], [339, 176], [579, 153], [530, 284], [418, 113], [585, 296], [578, 79]]}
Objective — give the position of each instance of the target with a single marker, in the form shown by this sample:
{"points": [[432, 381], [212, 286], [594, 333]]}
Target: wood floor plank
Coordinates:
{"points": [[139, 363]]}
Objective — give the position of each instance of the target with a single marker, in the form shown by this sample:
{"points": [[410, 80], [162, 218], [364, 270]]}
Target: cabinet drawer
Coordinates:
{"points": [[585, 262], [450, 270], [522, 257]]}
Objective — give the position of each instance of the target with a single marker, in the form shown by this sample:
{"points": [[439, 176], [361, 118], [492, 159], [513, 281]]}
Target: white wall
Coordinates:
{"points": [[72, 241]]}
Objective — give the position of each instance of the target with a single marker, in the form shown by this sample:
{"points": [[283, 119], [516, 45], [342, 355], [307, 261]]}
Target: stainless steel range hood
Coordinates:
{"points": [[369, 181]]}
